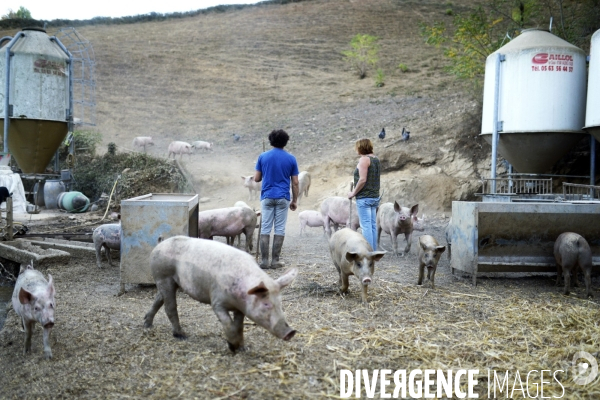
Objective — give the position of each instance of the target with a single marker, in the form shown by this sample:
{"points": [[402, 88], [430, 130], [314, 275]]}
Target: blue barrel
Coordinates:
{"points": [[52, 188], [75, 202]]}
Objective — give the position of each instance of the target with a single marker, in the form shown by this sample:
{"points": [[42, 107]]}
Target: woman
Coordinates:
{"points": [[366, 190]]}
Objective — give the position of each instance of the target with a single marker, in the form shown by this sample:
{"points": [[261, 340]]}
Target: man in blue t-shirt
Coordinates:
{"points": [[276, 168]]}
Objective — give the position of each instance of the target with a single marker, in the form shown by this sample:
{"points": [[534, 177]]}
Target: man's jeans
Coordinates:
{"points": [[274, 212], [367, 215]]}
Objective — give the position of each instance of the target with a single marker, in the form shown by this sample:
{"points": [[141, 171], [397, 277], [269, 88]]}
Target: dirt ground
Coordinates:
{"points": [[279, 66]]}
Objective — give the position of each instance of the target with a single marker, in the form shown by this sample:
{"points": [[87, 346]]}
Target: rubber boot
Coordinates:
{"points": [[264, 251], [277, 243]]}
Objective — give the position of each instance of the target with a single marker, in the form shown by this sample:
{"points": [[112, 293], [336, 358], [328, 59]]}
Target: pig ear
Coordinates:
{"points": [[351, 256], [25, 297], [287, 278], [414, 210], [244, 178], [377, 255], [259, 289], [440, 249], [396, 206], [50, 286]]}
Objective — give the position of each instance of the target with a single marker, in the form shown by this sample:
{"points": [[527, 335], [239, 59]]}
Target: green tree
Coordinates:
{"points": [[21, 13], [363, 54]]}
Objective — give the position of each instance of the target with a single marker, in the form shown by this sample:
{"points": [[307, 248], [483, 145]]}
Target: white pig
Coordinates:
{"points": [[228, 222], [336, 210], [224, 277], [201, 145], [303, 184], [142, 141], [240, 203], [429, 255], [393, 219], [33, 301], [180, 148], [310, 218], [573, 252], [109, 237], [252, 185], [353, 255]]}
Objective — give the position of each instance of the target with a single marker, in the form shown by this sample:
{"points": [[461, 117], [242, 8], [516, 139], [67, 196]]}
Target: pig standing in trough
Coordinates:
{"points": [[109, 237], [33, 301], [571, 251], [228, 222], [394, 219], [336, 210], [224, 277], [353, 255], [429, 255]]}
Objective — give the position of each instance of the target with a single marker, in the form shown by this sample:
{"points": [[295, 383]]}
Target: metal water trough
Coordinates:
{"points": [[144, 220], [517, 237]]}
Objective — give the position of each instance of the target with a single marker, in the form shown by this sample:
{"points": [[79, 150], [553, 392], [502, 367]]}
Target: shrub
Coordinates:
{"points": [[363, 54], [379, 78], [403, 67]]}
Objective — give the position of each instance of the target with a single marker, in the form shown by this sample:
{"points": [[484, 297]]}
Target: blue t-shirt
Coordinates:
{"points": [[277, 167]]}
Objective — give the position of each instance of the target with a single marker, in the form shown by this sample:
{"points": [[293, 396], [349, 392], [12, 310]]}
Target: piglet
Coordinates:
{"points": [[394, 220], [353, 255], [571, 250], [429, 256], [226, 278], [254, 187], [310, 218], [33, 301], [109, 237]]}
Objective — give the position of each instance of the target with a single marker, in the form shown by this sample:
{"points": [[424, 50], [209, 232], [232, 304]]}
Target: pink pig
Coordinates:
{"points": [[180, 148], [394, 219], [310, 218], [253, 186], [33, 301], [228, 222], [226, 278], [336, 211]]}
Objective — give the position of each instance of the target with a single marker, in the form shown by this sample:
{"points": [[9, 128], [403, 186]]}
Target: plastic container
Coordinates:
{"points": [[75, 202]]}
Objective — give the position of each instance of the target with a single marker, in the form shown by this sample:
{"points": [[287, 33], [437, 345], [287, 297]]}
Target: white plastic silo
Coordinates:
{"points": [[592, 113], [541, 100]]}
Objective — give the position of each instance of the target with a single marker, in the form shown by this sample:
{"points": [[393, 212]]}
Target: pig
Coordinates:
{"points": [[449, 232], [239, 236], [109, 237], [33, 301], [394, 219], [180, 148], [353, 255], [252, 185], [429, 255], [571, 251], [201, 145], [224, 277], [310, 218], [228, 222], [303, 184], [142, 141], [336, 210]]}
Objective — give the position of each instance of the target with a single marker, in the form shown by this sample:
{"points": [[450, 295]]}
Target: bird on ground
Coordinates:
{"points": [[236, 137], [382, 134], [405, 134]]}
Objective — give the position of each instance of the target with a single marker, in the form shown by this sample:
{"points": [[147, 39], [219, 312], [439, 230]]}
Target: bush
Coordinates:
{"points": [[403, 67], [363, 54], [379, 78]]}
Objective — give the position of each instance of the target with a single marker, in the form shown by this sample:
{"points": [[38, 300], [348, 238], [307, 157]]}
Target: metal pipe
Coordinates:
{"points": [[592, 161], [7, 88], [499, 58]]}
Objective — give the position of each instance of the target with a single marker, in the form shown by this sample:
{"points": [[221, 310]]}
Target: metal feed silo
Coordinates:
{"points": [[592, 114], [538, 82], [36, 100]]}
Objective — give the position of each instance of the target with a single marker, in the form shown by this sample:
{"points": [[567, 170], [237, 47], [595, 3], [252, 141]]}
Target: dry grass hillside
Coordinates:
{"points": [[280, 66]]}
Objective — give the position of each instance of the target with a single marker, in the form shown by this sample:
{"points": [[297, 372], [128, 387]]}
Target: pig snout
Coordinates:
{"points": [[402, 217], [283, 331], [49, 324], [366, 280]]}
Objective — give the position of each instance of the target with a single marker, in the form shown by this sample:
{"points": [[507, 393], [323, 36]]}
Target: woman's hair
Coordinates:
{"points": [[278, 138], [364, 146]]}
